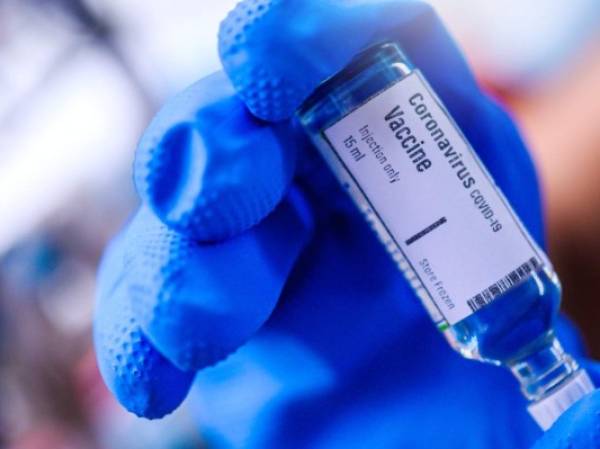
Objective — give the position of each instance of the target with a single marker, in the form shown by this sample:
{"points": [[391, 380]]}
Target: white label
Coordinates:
{"points": [[429, 190]]}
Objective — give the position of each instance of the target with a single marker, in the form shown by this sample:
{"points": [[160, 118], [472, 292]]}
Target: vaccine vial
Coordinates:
{"points": [[486, 284]]}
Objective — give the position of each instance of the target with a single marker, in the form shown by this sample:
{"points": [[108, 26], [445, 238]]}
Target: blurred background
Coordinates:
{"points": [[79, 79]]}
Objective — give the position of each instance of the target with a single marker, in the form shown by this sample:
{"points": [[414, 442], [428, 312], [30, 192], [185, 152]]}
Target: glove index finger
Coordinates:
{"points": [[276, 53], [208, 168]]}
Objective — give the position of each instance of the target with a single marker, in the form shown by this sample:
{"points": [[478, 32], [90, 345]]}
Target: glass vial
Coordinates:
{"points": [[484, 281]]}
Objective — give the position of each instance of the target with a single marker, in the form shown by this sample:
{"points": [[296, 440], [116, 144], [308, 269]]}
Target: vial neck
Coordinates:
{"points": [[543, 369]]}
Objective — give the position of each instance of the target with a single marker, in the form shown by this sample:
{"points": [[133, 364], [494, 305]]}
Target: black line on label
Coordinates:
{"points": [[426, 231], [368, 200]]}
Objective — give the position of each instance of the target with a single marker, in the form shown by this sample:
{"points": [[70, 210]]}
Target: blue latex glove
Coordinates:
{"points": [[248, 258]]}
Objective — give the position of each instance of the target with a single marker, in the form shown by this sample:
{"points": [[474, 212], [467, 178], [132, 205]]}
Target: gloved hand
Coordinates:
{"points": [[247, 258]]}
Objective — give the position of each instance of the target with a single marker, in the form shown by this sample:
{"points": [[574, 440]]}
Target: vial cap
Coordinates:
{"points": [[548, 409]]}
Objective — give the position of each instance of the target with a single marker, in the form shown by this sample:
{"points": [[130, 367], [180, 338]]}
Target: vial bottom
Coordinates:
{"points": [[519, 322], [516, 331]]}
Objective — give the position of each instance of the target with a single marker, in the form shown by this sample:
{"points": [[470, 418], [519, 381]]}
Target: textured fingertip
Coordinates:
{"points": [[577, 428], [214, 171], [276, 53], [268, 94], [142, 380], [196, 302]]}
